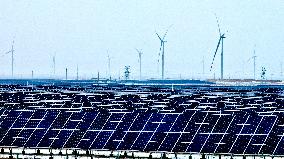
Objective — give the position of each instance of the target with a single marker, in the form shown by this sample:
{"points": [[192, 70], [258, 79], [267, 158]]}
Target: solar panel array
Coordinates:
{"points": [[239, 120]]}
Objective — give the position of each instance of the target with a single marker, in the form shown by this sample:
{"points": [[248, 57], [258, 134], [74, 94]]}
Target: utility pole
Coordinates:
{"points": [[109, 66], [66, 73], [77, 78], [98, 76], [119, 74], [254, 64], [53, 60], [140, 65]]}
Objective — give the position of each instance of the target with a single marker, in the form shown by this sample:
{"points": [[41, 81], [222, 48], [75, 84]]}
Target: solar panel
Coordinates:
{"points": [[193, 119]]}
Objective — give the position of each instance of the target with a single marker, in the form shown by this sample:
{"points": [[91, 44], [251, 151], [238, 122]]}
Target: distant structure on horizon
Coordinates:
{"points": [[140, 62], [162, 49], [221, 41], [77, 73], [12, 58], [108, 59], [53, 60], [66, 73], [254, 63], [127, 72]]}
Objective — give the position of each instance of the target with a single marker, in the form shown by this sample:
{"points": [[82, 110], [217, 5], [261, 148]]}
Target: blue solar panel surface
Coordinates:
{"points": [[205, 119]]}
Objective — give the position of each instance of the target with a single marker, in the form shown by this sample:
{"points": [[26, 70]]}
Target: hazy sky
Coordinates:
{"points": [[82, 32]]}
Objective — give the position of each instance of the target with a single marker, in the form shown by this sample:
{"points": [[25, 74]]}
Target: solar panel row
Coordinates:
{"points": [[190, 119]]}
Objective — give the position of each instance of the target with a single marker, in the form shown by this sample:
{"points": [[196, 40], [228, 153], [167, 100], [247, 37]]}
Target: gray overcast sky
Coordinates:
{"points": [[81, 32]]}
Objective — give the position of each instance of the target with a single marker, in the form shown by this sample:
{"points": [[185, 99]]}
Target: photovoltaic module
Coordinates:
{"points": [[203, 119]]}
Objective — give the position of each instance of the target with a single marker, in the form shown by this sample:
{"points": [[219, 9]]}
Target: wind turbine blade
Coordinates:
{"points": [[215, 52], [165, 34], [139, 53], [8, 52], [249, 59], [159, 36], [218, 24], [167, 31], [137, 50], [160, 46]]}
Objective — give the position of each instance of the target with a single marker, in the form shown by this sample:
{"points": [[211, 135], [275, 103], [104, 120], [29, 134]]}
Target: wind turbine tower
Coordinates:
{"points": [[12, 57], [162, 49], [53, 60], [254, 57], [254, 63], [77, 78], [108, 58], [66, 73], [140, 56], [221, 41]]}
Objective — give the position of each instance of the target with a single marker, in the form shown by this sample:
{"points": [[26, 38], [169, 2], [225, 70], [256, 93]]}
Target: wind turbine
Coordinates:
{"points": [[221, 41], [162, 49], [108, 58], [77, 77], [54, 61], [140, 61], [254, 59], [66, 73], [12, 57]]}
